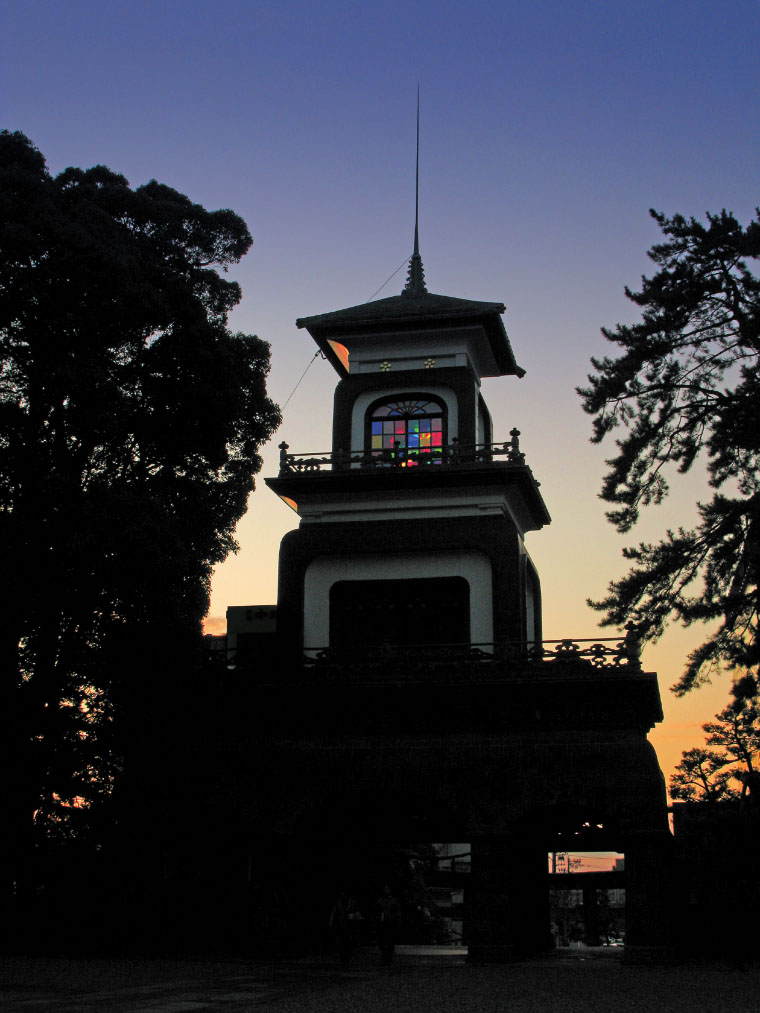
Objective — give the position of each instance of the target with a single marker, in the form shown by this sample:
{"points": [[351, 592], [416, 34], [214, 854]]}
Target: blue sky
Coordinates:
{"points": [[548, 130]]}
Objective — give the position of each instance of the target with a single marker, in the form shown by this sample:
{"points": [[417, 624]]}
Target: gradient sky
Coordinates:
{"points": [[548, 131]]}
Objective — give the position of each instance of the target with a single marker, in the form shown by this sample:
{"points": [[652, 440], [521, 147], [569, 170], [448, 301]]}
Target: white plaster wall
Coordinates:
{"points": [[408, 350], [325, 571], [373, 362], [425, 504], [364, 400], [530, 609]]}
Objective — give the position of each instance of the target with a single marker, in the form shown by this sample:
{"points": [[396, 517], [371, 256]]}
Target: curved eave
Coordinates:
{"points": [[430, 312]]}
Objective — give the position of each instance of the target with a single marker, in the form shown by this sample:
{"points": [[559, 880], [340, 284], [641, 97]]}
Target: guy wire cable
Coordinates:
{"points": [[311, 363]]}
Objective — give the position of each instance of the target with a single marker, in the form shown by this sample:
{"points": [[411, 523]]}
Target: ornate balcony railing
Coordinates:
{"points": [[572, 683], [609, 653], [452, 455]]}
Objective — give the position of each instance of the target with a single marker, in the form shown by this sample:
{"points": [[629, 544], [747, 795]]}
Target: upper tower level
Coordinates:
{"points": [[412, 331], [416, 353], [387, 401], [417, 329]]}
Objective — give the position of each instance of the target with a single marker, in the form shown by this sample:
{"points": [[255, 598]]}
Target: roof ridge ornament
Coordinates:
{"points": [[415, 281]]}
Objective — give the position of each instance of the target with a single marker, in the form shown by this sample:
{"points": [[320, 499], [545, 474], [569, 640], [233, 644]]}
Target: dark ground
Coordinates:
{"points": [[418, 981]]}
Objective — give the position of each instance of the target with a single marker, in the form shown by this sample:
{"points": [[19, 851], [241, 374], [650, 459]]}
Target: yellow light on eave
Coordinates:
{"points": [[290, 502], [341, 351]]}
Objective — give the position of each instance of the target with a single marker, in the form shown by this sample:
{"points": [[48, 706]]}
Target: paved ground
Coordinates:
{"points": [[418, 982]]}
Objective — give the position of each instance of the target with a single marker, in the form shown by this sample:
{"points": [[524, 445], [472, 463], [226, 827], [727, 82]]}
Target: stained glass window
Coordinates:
{"points": [[401, 432]]}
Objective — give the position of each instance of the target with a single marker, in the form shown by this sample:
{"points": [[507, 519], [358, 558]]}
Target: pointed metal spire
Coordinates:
{"points": [[415, 282]]}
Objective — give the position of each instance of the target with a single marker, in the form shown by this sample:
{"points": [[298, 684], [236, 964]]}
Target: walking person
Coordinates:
{"points": [[389, 922], [345, 922]]}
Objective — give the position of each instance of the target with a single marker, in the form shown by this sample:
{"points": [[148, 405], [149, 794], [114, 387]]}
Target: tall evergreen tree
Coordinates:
{"points": [[130, 423], [686, 388]]}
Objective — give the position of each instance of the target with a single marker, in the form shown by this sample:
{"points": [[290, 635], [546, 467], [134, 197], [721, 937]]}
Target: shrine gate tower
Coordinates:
{"points": [[408, 694]]}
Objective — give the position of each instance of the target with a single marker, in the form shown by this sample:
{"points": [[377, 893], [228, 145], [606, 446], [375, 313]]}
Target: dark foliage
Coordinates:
{"points": [[130, 422], [727, 767], [686, 388]]}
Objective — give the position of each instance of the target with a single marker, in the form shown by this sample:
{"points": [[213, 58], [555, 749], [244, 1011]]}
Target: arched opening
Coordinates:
{"points": [[406, 431]]}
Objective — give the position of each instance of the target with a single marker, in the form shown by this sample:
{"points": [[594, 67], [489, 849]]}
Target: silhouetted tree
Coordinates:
{"points": [[130, 422], [701, 776], [687, 387], [728, 770]]}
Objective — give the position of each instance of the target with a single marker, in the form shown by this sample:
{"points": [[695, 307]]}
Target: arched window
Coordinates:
{"points": [[404, 431]]}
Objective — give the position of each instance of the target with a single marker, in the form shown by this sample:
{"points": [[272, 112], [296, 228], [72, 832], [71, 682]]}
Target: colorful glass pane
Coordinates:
{"points": [[405, 429]]}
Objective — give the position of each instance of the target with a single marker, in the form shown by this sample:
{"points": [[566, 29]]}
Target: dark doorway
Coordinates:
{"points": [[424, 611]]}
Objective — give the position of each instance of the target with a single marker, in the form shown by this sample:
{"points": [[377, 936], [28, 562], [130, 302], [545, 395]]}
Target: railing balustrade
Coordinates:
{"points": [[501, 659], [605, 652], [452, 455]]}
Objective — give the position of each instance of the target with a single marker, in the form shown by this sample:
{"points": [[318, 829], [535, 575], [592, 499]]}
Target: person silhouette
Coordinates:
{"points": [[345, 922], [389, 921]]}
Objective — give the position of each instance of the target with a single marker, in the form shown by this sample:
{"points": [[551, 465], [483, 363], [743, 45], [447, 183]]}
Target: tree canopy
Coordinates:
{"points": [[686, 388], [726, 767], [130, 423]]}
